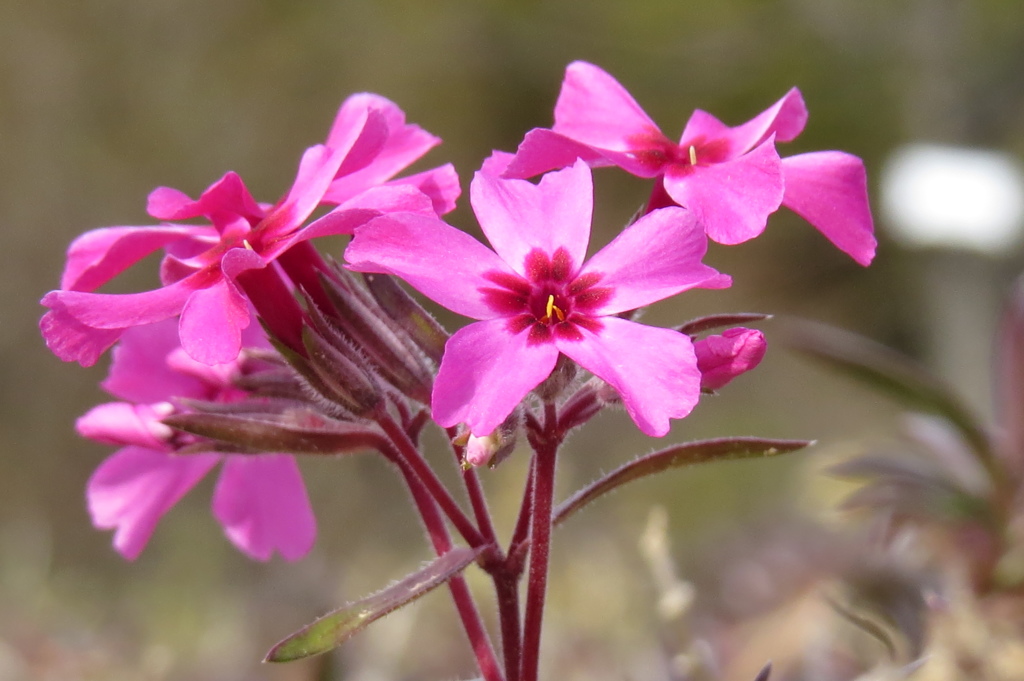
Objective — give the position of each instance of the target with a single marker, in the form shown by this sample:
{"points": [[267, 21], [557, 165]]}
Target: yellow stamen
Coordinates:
{"points": [[245, 242], [551, 307], [693, 155]]}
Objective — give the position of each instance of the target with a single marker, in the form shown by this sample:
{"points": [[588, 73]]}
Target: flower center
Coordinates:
{"points": [[551, 300]]}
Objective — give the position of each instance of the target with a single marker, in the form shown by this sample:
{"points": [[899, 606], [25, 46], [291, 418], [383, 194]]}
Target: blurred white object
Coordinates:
{"points": [[954, 197]]}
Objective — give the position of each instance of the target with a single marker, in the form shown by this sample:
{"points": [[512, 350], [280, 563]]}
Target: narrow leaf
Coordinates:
{"points": [[336, 627], [718, 321], [678, 456], [891, 372]]}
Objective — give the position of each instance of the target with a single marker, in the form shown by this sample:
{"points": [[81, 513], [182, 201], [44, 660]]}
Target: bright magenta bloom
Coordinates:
{"points": [[260, 500], [732, 178], [368, 143], [536, 298]]}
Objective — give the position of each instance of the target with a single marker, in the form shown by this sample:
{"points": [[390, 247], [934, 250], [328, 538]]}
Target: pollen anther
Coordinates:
{"points": [[693, 155], [551, 308]]}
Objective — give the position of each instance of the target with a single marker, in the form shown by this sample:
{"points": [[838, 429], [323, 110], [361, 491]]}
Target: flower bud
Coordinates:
{"points": [[722, 358]]}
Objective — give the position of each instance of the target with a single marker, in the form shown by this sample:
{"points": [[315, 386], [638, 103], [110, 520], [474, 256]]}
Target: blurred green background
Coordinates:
{"points": [[103, 100]]}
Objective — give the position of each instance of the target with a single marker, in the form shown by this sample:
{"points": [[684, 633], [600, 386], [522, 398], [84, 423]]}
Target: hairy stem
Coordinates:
{"points": [[540, 543]]}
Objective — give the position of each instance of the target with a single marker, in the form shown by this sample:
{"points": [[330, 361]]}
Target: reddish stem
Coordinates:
{"points": [[506, 580], [411, 456], [540, 543], [468, 613]]}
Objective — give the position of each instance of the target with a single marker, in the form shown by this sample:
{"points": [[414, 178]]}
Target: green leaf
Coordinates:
{"points": [[678, 456], [336, 627], [893, 373]]}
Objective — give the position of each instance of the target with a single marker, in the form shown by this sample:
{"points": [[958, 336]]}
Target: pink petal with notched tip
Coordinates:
{"points": [[594, 109], [70, 339], [441, 262], [732, 199], [542, 150], [519, 217], [134, 488], [672, 244], [261, 502], [486, 371], [97, 256], [224, 200], [785, 119], [403, 145], [441, 184], [653, 369], [829, 190]]}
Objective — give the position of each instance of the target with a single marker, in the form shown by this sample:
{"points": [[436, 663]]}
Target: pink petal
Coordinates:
{"points": [[70, 339], [829, 190], [656, 257], [785, 119], [167, 201], [224, 200], [135, 487], [121, 423], [403, 146], [441, 184], [594, 109], [653, 369], [444, 263], [99, 255], [732, 199], [211, 323], [519, 217], [350, 121], [723, 357], [361, 145], [543, 150], [485, 373], [316, 170], [139, 371], [261, 501], [119, 311]]}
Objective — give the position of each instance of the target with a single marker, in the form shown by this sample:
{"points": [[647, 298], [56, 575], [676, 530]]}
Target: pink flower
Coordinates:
{"points": [[732, 178], [205, 269], [260, 500], [535, 298], [723, 357]]}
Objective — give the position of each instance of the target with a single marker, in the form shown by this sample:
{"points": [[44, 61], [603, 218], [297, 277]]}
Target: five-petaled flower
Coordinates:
{"points": [[212, 272], [259, 499], [731, 177], [536, 298]]}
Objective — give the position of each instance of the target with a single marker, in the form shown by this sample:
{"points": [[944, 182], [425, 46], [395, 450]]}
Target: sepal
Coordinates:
{"points": [[401, 307], [296, 431]]}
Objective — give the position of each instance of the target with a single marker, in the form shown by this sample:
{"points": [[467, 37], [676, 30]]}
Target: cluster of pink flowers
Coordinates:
{"points": [[537, 301]]}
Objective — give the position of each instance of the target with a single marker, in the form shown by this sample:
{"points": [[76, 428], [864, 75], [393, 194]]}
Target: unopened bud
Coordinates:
{"points": [[722, 358], [490, 449]]}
